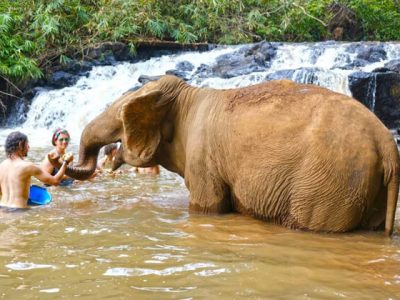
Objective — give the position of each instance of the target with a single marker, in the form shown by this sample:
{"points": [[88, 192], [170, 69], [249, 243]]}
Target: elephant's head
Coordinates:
{"points": [[137, 120]]}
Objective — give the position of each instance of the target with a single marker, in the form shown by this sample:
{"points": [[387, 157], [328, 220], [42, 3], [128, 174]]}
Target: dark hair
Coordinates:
{"points": [[57, 133], [13, 142], [109, 148]]}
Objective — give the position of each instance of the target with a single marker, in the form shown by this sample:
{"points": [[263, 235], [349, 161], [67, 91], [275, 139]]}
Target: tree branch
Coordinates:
{"points": [[307, 14], [9, 82]]}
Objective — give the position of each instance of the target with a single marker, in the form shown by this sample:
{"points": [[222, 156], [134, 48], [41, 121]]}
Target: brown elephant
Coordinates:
{"points": [[293, 154]]}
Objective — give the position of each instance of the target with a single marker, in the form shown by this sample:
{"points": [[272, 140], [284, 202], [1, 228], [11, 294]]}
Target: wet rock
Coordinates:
{"points": [[17, 112], [281, 74], [393, 65], [362, 86], [118, 51], [62, 79], [76, 67], [380, 92], [357, 63], [31, 93], [381, 70], [203, 71], [184, 66], [373, 53], [248, 59], [181, 74], [369, 52], [143, 79]]}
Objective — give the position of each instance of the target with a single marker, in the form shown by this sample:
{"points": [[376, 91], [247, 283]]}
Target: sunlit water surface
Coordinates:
{"points": [[131, 237]]}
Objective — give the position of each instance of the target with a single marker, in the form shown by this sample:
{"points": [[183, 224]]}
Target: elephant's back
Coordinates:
{"points": [[322, 151], [281, 94]]}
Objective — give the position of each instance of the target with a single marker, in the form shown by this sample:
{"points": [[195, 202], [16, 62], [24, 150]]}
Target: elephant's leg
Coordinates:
{"points": [[376, 213], [208, 193]]}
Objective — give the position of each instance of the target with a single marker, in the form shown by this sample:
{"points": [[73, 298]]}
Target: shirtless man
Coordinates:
{"points": [[15, 172]]}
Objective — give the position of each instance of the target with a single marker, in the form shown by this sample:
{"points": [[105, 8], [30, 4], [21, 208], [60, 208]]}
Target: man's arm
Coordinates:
{"points": [[47, 178]]}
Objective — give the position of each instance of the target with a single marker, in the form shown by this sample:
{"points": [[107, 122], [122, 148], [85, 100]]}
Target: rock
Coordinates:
{"points": [[185, 66], [248, 59], [143, 79], [380, 92], [281, 74], [381, 70], [202, 71], [62, 79], [181, 74], [393, 65], [119, 51], [76, 67], [369, 52], [31, 93], [357, 63]]}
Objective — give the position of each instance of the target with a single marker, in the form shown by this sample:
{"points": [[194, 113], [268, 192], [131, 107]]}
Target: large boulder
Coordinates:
{"points": [[369, 52], [248, 59], [281, 74], [380, 92], [393, 65], [60, 79]]}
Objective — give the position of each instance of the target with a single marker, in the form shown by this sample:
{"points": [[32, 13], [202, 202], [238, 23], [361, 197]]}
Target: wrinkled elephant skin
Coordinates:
{"points": [[292, 154]]}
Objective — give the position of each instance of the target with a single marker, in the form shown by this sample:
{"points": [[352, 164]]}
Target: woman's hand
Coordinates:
{"points": [[68, 157]]}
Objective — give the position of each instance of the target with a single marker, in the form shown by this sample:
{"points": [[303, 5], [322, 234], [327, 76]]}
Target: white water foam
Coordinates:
{"points": [[24, 266]]}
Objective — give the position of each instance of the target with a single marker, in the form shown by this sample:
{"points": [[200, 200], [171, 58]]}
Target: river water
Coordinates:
{"points": [[130, 235]]}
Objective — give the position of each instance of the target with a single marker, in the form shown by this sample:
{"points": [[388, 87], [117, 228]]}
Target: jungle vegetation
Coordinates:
{"points": [[35, 33]]}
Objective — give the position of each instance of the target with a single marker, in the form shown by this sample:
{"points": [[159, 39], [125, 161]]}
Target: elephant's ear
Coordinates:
{"points": [[141, 117]]}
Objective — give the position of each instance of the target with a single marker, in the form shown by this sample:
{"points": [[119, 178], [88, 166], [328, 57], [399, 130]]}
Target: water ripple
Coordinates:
{"points": [[23, 266], [165, 272]]}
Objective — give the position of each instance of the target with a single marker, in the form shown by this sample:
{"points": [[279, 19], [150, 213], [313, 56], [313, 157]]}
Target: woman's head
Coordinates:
{"points": [[60, 138]]}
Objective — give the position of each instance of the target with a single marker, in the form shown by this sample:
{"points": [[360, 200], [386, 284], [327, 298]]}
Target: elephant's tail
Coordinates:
{"points": [[391, 180]]}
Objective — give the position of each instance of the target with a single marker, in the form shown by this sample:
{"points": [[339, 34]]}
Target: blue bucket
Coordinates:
{"points": [[38, 196]]}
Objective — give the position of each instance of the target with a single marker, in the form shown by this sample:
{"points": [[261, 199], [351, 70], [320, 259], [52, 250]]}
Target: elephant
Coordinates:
{"points": [[293, 154]]}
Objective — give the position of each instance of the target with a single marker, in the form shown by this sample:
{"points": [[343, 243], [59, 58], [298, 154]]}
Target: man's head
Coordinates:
{"points": [[17, 143]]}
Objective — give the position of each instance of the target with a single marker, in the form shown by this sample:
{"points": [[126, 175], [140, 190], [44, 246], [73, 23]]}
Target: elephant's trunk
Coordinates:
{"points": [[103, 130], [86, 165]]}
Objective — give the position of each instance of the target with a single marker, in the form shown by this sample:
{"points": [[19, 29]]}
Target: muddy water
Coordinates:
{"points": [[131, 237]]}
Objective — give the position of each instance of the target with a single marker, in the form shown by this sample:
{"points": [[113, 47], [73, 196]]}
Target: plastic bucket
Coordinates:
{"points": [[38, 195]]}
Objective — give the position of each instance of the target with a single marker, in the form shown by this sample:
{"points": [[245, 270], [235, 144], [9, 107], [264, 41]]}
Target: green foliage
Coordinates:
{"points": [[36, 33], [380, 19], [15, 50]]}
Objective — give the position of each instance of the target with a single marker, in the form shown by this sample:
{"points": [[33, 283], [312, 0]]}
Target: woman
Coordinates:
{"points": [[60, 141]]}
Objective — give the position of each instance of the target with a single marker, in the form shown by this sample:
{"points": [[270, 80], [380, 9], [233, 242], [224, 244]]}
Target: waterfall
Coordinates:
{"points": [[371, 93], [73, 107]]}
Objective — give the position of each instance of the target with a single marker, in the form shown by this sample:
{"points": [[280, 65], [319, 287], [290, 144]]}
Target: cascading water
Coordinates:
{"points": [[371, 93], [73, 107]]}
